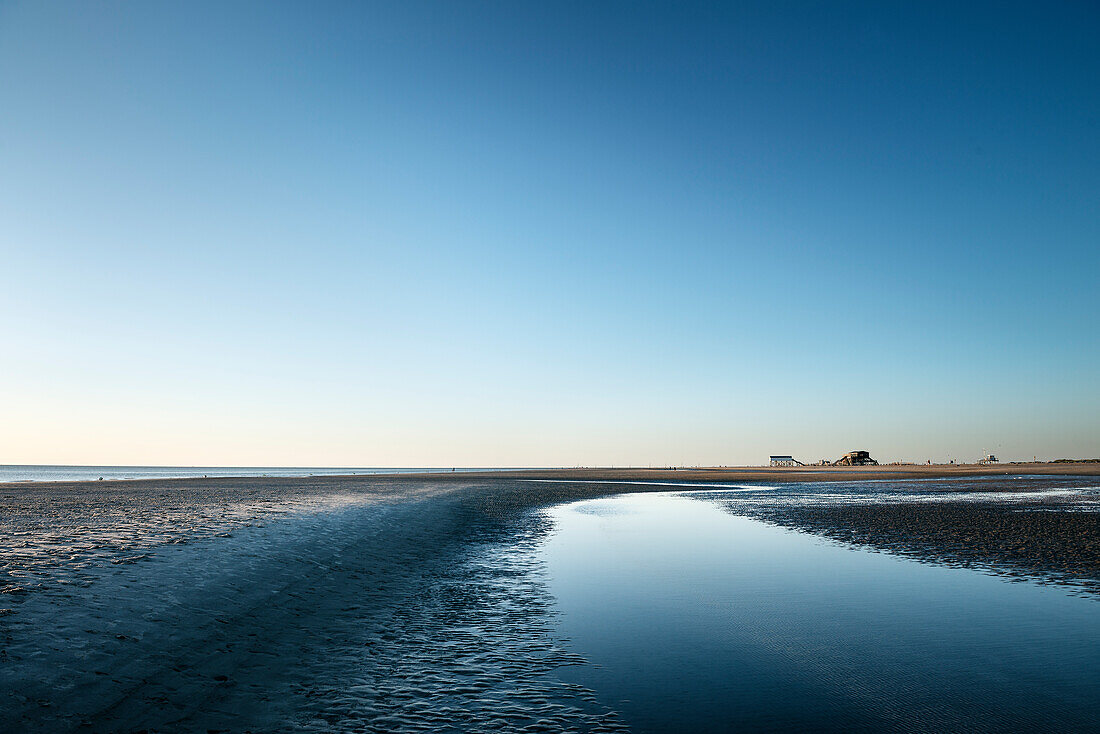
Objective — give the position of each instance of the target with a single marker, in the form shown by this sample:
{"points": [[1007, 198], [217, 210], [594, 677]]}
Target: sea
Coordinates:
{"points": [[74, 473]]}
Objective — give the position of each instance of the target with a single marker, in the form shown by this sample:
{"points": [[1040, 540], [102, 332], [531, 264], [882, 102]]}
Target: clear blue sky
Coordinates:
{"points": [[547, 233]]}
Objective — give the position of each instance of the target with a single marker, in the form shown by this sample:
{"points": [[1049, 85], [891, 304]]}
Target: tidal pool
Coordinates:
{"points": [[695, 619]]}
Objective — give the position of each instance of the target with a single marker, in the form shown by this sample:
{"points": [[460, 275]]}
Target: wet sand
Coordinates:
{"points": [[1044, 529], [364, 603]]}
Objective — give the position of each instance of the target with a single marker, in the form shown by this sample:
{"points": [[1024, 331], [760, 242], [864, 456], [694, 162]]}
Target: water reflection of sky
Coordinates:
{"points": [[698, 619]]}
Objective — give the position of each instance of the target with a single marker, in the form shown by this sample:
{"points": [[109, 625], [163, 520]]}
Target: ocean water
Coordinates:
{"points": [[65, 473], [693, 618]]}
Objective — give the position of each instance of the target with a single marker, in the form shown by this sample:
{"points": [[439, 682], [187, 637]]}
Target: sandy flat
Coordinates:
{"points": [[810, 473]]}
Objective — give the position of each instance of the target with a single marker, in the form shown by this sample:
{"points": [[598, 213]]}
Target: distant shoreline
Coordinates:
{"points": [[700, 474], [809, 473]]}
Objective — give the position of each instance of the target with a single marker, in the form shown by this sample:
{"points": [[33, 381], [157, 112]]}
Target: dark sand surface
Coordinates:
{"points": [[1044, 529], [375, 603]]}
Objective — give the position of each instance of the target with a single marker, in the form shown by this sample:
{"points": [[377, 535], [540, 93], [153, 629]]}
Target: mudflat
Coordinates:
{"points": [[375, 603]]}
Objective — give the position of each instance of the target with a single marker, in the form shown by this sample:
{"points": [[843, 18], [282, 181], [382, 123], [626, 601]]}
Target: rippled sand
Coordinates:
{"points": [[385, 605]]}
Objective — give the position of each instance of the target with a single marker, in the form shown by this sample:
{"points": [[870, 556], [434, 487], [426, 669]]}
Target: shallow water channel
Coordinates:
{"points": [[697, 619]]}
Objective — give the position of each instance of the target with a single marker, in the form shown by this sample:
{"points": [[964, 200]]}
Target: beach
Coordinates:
{"points": [[526, 368], [380, 603]]}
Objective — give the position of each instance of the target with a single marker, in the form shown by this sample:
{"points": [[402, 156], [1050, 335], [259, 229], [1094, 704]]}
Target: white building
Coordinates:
{"points": [[785, 461]]}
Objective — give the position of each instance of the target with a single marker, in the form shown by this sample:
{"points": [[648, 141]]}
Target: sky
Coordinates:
{"points": [[547, 234]]}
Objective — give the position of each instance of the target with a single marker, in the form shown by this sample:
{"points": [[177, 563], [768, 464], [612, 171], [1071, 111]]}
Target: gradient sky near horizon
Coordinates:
{"points": [[547, 234]]}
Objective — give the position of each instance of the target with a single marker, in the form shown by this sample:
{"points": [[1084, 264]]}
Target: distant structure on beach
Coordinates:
{"points": [[852, 458], [855, 458], [785, 461], [989, 459]]}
